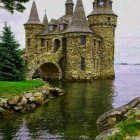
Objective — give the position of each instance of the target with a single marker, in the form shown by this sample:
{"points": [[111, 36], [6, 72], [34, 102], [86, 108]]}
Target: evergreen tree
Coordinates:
{"points": [[12, 5], [12, 66]]}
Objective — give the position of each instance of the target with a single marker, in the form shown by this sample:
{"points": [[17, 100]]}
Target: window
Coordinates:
{"points": [[83, 40], [61, 27], [28, 42], [26, 62], [51, 28], [42, 42], [47, 43], [109, 19], [82, 63]]}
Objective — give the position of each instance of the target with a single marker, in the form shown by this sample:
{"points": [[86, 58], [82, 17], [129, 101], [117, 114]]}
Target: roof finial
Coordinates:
{"points": [[45, 19], [34, 18]]}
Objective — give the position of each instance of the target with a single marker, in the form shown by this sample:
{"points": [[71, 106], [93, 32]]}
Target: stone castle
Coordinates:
{"points": [[72, 47]]}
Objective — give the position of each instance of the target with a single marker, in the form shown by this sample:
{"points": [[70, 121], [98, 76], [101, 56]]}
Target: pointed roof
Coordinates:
{"points": [[53, 22], [45, 20], [69, 2], [79, 22], [33, 18]]}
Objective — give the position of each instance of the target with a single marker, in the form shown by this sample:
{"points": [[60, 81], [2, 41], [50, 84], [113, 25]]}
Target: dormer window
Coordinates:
{"points": [[51, 28], [61, 27]]}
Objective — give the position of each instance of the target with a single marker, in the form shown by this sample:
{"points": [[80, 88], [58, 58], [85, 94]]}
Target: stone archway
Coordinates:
{"points": [[48, 70]]}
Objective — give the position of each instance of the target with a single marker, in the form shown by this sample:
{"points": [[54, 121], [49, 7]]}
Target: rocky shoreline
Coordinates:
{"points": [[107, 123], [29, 100]]}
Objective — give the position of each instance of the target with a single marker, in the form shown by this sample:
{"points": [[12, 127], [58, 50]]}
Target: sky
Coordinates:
{"points": [[127, 38]]}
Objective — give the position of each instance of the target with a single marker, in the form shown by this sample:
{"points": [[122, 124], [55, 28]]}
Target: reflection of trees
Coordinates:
{"points": [[71, 115], [9, 127]]}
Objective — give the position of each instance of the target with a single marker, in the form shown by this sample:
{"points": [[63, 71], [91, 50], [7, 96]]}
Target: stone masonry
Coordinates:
{"points": [[72, 47]]}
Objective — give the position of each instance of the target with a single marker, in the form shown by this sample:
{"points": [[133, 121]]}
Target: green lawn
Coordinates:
{"points": [[9, 89]]}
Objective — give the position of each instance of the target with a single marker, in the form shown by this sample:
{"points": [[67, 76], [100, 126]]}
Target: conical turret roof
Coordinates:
{"points": [[45, 20], [33, 18], [98, 10], [79, 22]]}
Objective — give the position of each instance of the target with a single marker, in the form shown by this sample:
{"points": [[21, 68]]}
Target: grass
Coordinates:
{"points": [[9, 89], [130, 127]]}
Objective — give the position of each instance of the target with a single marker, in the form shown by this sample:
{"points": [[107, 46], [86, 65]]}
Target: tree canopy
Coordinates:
{"points": [[12, 67], [12, 5]]}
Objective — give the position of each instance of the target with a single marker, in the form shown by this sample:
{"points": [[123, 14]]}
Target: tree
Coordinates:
{"points": [[12, 5], [12, 67]]}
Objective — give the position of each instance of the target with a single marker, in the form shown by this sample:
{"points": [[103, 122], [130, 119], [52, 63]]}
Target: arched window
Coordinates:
{"points": [[56, 45], [109, 19], [83, 64]]}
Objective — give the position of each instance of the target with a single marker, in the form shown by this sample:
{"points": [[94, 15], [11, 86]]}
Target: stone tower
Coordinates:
{"points": [[33, 27], [69, 7], [102, 21], [78, 37]]}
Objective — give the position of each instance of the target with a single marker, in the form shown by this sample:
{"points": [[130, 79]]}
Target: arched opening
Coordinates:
{"points": [[56, 45], [48, 71]]}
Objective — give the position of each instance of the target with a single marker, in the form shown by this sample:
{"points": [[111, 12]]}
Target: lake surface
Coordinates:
{"points": [[73, 116]]}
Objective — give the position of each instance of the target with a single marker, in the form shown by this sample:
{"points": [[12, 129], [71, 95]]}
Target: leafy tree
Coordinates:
{"points": [[12, 5], [12, 66]]}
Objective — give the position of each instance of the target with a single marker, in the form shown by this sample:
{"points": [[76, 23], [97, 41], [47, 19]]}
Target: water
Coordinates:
{"points": [[74, 115]]}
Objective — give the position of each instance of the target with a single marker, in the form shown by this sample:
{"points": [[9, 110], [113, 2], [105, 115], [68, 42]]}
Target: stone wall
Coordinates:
{"points": [[29, 101], [74, 52]]}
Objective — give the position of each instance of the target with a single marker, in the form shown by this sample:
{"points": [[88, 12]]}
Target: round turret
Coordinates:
{"points": [[103, 21]]}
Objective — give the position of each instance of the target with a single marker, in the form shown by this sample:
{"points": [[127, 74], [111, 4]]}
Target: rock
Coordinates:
{"points": [[28, 95], [32, 99], [13, 100], [55, 91], [39, 100], [18, 108], [38, 94], [106, 134], [84, 137], [46, 92], [29, 107], [135, 138], [2, 110], [106, 122], [23, 101], [61, 94], [46, 101], [137, 108], [2, 102], [6, 106]]}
